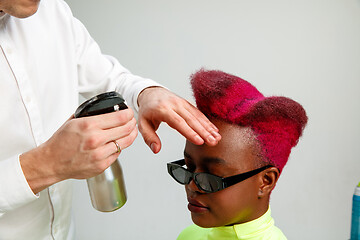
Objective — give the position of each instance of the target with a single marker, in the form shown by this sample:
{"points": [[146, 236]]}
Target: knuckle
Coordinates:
{"points": [[130, 139], [92, 142], [131, 113], [147, 139], [125, 116], [163, 105], [140, 127], [146, 136], [128, 129], [174, 98], [85, 125], [134, 133], [133, 121], [131, 127], [177, 120], [121, 119], [190, 120], [179, 102]]}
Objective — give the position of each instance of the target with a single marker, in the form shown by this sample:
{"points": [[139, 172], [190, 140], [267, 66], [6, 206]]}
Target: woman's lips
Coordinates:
{"points": [[195, 206]]}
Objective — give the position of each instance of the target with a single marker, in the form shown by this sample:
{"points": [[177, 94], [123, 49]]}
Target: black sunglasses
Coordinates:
{"points": [[207, 182]]}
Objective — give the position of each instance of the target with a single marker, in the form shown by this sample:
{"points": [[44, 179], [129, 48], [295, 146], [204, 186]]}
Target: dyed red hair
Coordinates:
{"points": [[277, 122]]}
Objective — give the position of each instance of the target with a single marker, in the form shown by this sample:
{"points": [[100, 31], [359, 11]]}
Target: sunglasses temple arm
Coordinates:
{"points": [[229, 181]]}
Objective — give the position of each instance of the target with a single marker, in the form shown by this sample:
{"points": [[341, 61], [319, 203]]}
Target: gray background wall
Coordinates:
{"points": [[308, 50]]}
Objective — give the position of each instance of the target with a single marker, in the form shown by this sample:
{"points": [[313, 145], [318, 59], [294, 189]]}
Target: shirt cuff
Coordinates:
{"points": [[148, 83], [138, 84], [14, 189]]}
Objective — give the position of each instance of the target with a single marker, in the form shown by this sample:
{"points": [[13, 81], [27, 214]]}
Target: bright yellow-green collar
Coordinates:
{"points": [[245, 230], [260, 228], [254, 227]]}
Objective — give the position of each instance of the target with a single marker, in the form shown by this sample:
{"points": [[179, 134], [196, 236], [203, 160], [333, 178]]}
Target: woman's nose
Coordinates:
{"points": [[192, 187]]}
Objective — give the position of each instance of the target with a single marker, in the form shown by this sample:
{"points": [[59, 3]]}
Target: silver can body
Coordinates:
{"points": [[107, 190]]}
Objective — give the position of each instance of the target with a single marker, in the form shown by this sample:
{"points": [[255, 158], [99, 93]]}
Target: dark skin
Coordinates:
{"points": [[236, 152]]}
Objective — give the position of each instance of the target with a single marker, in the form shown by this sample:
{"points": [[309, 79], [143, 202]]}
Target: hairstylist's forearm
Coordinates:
{"points": [[37, 173]]}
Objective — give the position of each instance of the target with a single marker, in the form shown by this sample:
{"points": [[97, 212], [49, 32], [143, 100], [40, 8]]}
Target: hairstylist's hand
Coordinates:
{"points": [[80, 149], [157, 104]]}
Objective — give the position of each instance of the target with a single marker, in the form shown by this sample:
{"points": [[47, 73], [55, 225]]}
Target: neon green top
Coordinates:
{"points": [[262, 228]]}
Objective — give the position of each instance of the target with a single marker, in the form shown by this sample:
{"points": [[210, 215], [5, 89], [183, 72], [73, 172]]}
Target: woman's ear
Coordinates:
{"points": [[268, 179]]}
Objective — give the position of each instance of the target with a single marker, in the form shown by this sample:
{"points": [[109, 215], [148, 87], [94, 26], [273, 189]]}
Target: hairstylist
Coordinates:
{"points": [[46, 59]]}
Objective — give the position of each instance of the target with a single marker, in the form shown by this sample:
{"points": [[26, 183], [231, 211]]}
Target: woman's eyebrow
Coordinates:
{"points": [[213, 160], [207, 160]]}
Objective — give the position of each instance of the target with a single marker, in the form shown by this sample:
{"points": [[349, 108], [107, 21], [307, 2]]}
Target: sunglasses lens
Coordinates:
{"points": [[179, 174], [205, 181], [208, 183]]}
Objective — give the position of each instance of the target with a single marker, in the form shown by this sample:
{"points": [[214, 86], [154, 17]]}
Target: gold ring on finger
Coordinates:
{"points": [[118, 148]]}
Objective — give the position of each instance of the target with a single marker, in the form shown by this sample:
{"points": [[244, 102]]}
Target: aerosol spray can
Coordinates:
{"points": [[107, 190], [355, 217]]}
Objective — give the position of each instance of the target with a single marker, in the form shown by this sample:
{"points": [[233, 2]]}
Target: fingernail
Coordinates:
{"points": [[199, 139], [215, 134], [153, 146], [211, 139]]}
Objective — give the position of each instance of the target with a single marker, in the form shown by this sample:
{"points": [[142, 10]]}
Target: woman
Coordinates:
{"points": [[228, 186]]}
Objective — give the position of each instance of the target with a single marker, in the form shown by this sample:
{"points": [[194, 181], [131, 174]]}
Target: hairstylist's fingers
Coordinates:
{"points": [[115, 147], [109, 120], [103, 157], [147, 130], [126, 141], [174, 120], [207, 124], [110, 147], [158, 105], [200, 124], [110, 150], [121, 131]]}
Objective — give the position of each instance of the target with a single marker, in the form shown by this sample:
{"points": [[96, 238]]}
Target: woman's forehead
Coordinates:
{"points": [[236, 147], [234, 136]]}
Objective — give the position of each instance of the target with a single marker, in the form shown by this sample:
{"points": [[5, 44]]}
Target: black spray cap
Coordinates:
{"points": [[100, 104]]}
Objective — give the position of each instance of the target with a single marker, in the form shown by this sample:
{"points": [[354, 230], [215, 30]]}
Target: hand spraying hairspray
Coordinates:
{"points": [[107, 190]]}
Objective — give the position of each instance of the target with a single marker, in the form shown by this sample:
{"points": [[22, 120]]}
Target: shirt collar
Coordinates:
{"points": [[244, 230], [255, 226]]}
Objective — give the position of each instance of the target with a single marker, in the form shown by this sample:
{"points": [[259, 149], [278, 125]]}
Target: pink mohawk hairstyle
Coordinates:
{"points": [[278, 122]]}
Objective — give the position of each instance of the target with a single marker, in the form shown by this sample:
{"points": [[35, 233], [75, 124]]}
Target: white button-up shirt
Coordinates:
{"points": [[46, 60]]}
